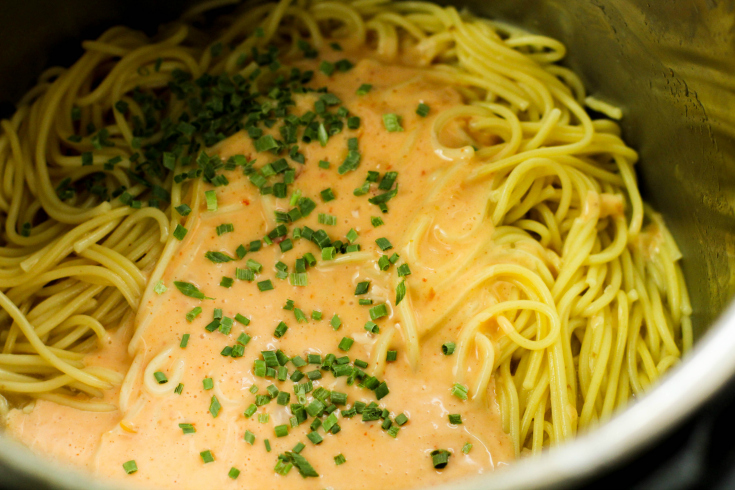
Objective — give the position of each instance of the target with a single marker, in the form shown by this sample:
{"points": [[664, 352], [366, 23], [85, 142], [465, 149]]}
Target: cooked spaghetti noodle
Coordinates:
{"points": [[565, 297]]}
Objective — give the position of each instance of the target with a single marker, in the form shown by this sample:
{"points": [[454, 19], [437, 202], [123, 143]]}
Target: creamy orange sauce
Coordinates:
{"points": [[148, 431]]}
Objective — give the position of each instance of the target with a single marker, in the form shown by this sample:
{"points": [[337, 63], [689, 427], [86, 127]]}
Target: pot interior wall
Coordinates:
{"points": [[669, 65]]}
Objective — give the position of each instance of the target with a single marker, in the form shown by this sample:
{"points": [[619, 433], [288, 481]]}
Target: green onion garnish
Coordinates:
{"points": [[345, 344], [211, 198], [281, 430], [339, 459], [233, 473], [364, 89], [455, 418], [188, 289], [391, 355], [160, 377], [225, 228], [193, 313], [327, 195], [208, 383], [440, 458], [467, 447], [184, 341], [400, 292], [266, 285], [404, 270], [179, 388], [335, 322], [460, 391], [448, 348], [130, 467], [187, 428], [392, 123], [362, 288], [249, 437], [180, 232], [378, 311], [401, 419], [384, 243], [214, 407], [207, 456], [422, 110]]}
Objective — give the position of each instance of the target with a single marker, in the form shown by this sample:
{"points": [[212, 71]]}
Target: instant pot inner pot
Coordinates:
{"points": [[669, 65]]}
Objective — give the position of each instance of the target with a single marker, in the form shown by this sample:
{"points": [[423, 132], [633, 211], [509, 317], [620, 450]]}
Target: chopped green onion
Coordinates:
{"points": [[339, 459], [188, 289], [362, 288], [191, 315], [455, 418], [467, 447], [316, 315], [227, 282], [400, 292], [327, 195], [130, 467], [299, 279], [392, 123], [404, 270], [440, 458], [391, 355], [179, 388], [180, 232], [327, 219], [345, 344], [401, 419], [208, 383], [281, 430], [335, 322], [160, 377], [384, 244], [225, 228], [266, 285], [242, 319], [233, 473], [448, 348], [184, 340], [160, 288], [460, 391], [378, 311], [187, 428], [249, 437], [364, 89], [422, 110], [280, 330], [326, 67], [207, 456], [267, 445], [218, 257], [323, 164], [211, 198], [214, 407]]}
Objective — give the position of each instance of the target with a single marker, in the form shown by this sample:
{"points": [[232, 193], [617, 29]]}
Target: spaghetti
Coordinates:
{"points": [[568, 301]]}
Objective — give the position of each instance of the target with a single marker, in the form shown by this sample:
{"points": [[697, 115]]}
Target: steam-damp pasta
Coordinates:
{"points": [[323, 244]]}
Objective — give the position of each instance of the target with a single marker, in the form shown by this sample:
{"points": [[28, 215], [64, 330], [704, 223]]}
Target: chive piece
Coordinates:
{"points": [[327, 195], [455, 418], [265, 143], [345, 344], [267, 445], [211, 198], [365, 301], [227, 282], [298, 447], [384, 244], [440, 458], [326, 67], [280, 330], [160, 377], [316, 315], [323, 164], [130, 467], [460, 391], [362, 288], [382, 390], [328, 253], [214, 407], [190, 290], [243, 339], [281, 430], [314, 437], [242, 319], [218, 257], [299, 279], [353, 122], [335, 322], [191, 315], [327, 219], [400, 292], [467, 447], [263, 418], [391, 355], [233, 473], [448, 348], [187, 428], [184, 341], [393, 258], [183, 210], [372, 327], [422, 110], [364, 89], [401, 419], [378, 311], [266, 285], [339, 459], [160, 288], [208, 383], [392, 123], [179, 388], [250, 410], [361, 364], [180, 232], [403, 270], [207, 456], [249, 437]]}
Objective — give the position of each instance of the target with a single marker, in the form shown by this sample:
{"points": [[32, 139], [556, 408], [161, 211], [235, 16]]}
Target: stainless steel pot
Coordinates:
{"points": [[669, 63]]}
